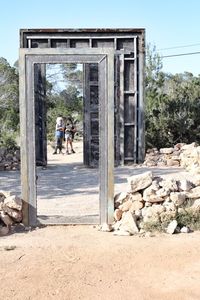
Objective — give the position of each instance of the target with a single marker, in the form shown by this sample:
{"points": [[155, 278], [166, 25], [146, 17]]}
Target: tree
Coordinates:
{"points": [[9, 100], [172, 105], [64, 94], [156, 98], [183, 107]]}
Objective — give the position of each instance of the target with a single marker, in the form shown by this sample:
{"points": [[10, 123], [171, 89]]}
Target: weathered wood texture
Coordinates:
{"points": [[29, 59], [129, 47], [40, 114], [91, 115]]}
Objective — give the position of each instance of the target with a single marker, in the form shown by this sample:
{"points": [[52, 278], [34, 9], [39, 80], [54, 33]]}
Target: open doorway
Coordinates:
{"points": [[66, 188], [65, 103], [29, 60]]}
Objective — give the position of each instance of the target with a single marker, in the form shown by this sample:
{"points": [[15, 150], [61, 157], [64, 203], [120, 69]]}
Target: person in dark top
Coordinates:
{"points": [[69, 136]]}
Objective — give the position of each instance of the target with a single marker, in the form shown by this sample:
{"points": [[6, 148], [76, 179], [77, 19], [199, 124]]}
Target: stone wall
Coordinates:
{"points": [[183, 155], [154, 202]]}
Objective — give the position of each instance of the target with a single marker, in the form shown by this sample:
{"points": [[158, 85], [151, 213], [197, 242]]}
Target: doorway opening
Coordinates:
{"points": [[31, 63], [67, 190]]}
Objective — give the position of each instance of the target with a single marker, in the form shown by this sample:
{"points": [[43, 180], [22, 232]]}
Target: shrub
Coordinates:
{"points": [[8, 141]]}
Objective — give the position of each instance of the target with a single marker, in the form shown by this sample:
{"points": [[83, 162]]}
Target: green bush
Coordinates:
{"points": [[189, 218], [8, 141]]}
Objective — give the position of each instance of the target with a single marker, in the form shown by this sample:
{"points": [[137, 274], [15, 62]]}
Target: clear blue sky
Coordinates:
{"points": [[170, 23]]}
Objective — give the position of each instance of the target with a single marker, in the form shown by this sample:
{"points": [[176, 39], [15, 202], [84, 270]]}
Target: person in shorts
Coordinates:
{"points": [[69, 136]]}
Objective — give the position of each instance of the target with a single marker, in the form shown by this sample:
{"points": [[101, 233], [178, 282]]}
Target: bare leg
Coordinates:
{"points": [[71, 145], [67, 148]]}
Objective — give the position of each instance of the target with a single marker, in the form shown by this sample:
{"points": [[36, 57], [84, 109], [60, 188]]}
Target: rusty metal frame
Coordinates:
{"points": [[27, 59]]}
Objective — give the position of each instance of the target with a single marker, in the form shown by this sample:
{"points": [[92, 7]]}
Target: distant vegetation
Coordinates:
{"points": [[172, 105], [172, 102]]}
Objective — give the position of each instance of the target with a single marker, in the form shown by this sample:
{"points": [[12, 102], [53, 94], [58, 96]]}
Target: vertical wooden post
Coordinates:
{"points": [[106, 101], [27, 143]]}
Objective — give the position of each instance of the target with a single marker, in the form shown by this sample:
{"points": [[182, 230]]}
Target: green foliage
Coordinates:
{"points": [[73, 75], [172, 105], [8, 140], [155, 100], [189, 218], [66, 103], [9, 103], [152, 226]]}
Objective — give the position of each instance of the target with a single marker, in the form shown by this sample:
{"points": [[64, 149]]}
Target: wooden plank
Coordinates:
{"points": [[86, 118], [116, 111], [106, 101], [121, 108], [40, 114], [30, 149], [110, 137], [23, 138], [141, 101]]}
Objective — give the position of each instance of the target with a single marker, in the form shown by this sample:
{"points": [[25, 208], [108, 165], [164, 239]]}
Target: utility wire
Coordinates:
{"points": [[180, 54], [183, 46]]}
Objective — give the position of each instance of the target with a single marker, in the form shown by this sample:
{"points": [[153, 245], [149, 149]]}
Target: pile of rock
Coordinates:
{"points": [[184, 155], [154, 201], [9, 160], [10, 211]]}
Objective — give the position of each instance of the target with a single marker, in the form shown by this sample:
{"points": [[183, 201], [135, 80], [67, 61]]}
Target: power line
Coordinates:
{"points": [[180, 54], [183, 46]]}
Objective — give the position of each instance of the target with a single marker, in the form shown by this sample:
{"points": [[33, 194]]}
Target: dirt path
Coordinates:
{"points": [[80, 262]]}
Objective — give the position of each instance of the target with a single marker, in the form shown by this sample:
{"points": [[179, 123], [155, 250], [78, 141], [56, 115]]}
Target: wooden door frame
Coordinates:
{"points": [[105, 59]]}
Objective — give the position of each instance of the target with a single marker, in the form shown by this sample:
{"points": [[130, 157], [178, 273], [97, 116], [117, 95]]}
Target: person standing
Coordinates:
{"points": [[69, 136], [59, 135]]}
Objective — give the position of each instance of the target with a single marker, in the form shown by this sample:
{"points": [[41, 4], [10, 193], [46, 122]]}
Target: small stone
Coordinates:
{"points": [[116, 225], [13, 201], [136, 205], [135, 197], [118, 214], [9, 248], [149, 234], [185, 229], [120, 196], [172, 227], [4, 230], [140, 181], [178, 198], [106, 227], [129, 223], [184, 185], [125, 206], [14, 214], [6, 218], [166, 150]]}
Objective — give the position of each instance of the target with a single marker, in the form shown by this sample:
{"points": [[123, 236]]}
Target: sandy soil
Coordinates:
{"points": [[81, 262]]}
